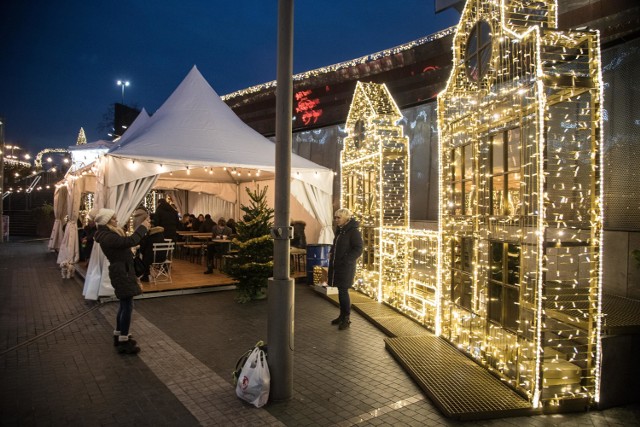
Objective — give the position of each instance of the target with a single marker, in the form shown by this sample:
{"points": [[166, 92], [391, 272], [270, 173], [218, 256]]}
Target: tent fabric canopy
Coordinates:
{"points": [[195, 142], [195, 128]]}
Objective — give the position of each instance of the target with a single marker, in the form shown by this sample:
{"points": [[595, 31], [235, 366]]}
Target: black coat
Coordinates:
{"points": [[206, 226], [117, 249], [346, 249], [167, 218]]}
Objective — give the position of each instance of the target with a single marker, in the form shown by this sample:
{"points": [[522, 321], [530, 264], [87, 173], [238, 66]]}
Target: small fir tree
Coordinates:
{"points": [[253, 264]]}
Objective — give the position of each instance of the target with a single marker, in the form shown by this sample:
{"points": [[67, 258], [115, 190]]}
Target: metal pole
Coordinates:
{"points": [[280, 296], [2, 153]]}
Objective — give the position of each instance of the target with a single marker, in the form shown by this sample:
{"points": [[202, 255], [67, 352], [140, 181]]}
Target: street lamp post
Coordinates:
{"points": [[2, 154], [123, 83]]}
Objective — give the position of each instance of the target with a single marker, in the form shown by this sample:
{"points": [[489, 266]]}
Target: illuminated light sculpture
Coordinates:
{"points": [[521, 199], [38, 160], [513, 275], [375, 165]]}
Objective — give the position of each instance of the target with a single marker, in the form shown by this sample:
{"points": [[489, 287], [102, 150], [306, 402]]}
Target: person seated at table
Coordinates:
{"points": [[188, 222], [217, 249], [196, 221], [207, 225], [184, 222], [231, 223]]}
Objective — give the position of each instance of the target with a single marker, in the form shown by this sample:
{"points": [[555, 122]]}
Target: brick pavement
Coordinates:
{"points": [[59, 367]]}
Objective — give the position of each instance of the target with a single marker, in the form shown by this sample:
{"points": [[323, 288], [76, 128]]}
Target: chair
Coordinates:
{"points": [[160, 269]]}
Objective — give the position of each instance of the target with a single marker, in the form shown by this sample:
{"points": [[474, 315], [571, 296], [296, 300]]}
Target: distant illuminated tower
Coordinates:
{"points": [[375, 166]]}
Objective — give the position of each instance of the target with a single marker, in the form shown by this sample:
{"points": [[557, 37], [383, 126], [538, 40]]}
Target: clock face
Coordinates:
{"points": [[478, 52], [359, 129]]}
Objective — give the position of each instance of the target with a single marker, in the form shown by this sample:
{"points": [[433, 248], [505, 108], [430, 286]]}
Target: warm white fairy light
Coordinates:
{"points": [[597, 69], [38, 159], [343, 65], [550, 218], [374, 185], [543, 82]]}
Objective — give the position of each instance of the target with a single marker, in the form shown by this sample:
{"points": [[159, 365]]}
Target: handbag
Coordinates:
{"points": [[138, 265], [254, 380]]}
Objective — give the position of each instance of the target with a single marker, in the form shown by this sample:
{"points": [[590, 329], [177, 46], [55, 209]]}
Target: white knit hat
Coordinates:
{"points": [[104, 215]]}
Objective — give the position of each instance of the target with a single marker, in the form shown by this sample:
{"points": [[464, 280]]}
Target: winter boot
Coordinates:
{"points": [[337, 320], [116, 338], [345, 323], [127, 346]]}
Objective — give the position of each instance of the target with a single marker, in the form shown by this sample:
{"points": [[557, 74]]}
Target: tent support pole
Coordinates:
{"points": [[281, 286]]}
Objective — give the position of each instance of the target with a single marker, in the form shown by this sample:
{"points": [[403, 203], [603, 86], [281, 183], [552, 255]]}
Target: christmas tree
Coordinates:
{"points": [[253, 264]]}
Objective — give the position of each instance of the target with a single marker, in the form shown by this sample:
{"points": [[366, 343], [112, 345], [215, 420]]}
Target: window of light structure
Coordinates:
{"points": [[462, 181], [505, 173], [478, 51], [504, 284], [369, 239], [462, 285], [364, 190]]}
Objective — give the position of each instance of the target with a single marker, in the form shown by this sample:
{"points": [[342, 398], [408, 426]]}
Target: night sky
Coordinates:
{"points": [[61, 60]]}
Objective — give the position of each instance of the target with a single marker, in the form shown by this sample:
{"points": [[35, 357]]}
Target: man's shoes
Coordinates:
{"points": [[337, 320], [209, 271], [345, 323]]}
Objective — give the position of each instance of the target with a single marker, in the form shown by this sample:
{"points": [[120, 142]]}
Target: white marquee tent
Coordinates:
{"points": [[82, 155], [195, 142]]}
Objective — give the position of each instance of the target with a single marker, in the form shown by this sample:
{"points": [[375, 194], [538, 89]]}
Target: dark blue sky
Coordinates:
{"points": [[61, 59]]}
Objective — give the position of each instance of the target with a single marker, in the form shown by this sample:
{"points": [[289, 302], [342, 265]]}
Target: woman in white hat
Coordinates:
{"points": [[116, 246]]}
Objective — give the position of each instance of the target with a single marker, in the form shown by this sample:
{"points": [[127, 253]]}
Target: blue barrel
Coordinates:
{"points": [[316, 255]]}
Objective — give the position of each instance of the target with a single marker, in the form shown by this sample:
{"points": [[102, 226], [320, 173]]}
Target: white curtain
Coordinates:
{"points": [[212, 205], [69, 247], [59, 211], [317, 203], [179, 198], [123, 199], [97, 277]]}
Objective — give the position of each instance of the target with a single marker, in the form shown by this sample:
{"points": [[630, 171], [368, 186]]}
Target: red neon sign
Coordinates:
{"points": [[307, 107]]}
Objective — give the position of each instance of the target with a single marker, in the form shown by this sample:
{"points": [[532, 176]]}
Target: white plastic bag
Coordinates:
{"points": [[254, 381]]}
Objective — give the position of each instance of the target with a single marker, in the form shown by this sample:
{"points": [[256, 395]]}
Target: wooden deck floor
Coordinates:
{"points": [[186, 275]]}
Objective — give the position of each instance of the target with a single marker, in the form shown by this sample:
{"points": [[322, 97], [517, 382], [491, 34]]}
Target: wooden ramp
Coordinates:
{"points": [[457, 385]]}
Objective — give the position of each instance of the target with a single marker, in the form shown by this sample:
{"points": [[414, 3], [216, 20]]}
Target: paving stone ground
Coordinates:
{"points": [[58, 366]]}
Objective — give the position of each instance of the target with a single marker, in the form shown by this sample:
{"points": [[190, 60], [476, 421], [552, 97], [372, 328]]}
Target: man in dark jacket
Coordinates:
{"points": [[154, 235], [167, 218], [346, 249], [116, 246], [207, 225]]}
